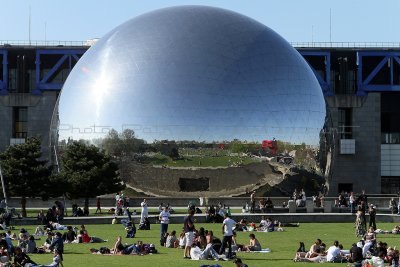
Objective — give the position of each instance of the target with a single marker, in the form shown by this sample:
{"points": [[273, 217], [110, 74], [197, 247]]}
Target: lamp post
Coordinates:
{"points": [[4, 188]]}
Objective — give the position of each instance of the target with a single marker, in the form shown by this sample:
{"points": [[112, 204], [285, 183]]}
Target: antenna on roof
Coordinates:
{"points": [[45, 32], [330, 25], [29, 25], [312, 34]]}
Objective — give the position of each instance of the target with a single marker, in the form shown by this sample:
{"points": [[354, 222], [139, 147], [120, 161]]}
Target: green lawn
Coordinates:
{"points": [[283, 246], [207, 159]]}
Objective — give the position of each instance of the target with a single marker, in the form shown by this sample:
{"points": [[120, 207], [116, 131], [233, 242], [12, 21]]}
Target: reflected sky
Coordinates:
{"points": [[193, 73]]}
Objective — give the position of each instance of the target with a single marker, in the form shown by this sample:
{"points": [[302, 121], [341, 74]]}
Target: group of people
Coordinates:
{"points": [[53, 214], [202, 244], [122, 204], [366, 252], [18, 255]]}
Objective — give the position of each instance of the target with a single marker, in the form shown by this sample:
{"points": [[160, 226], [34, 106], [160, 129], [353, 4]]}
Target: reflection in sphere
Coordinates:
{"points": [[193, 87]]}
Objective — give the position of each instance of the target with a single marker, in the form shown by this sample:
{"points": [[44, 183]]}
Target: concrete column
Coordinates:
{"points": [[292, 206], [327, 206], [309, 206]]}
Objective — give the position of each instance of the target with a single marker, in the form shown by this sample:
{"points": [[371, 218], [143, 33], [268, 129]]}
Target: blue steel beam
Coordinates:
{"points": [[325, 82], [375, 71], [4, 79], [364, 85], [45, 82]]}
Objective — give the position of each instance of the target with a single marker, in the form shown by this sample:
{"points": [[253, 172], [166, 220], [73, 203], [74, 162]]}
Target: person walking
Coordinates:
{"points": [[360, 223], [372, 216], [98, 206], [188, 227], [164, 219], [145, 211], [227, 230], [363, 202], [253, 201], [352, 202]]}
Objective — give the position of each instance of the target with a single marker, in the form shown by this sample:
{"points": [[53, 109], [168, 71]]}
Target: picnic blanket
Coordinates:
{"points": [[263, 250]]}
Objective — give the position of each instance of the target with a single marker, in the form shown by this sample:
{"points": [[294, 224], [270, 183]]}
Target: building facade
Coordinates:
{"points": [[361, 88]]}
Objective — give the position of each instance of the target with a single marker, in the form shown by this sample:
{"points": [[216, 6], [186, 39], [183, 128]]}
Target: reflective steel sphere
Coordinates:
{"points": [[194, 89]]}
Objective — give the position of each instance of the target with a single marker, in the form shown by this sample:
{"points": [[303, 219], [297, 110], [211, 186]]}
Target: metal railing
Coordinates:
{"points": [[90, 42], [46, 43], [346, 44]]}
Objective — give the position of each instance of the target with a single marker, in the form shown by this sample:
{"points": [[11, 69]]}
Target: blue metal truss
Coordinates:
{"points": [[4, 78], [325, 82], [44, 83], [364, 84]]}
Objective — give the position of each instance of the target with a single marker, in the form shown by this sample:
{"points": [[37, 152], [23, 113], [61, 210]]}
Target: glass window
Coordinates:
{"points": [[345, 123], [20, 122]]}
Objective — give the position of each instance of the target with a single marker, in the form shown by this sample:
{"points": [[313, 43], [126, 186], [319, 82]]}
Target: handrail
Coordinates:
{"points": [[90, 42], [10, 43], [346, 44]]}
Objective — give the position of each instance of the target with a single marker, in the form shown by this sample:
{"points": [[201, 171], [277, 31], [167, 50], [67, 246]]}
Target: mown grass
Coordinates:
{"points": [[199, 161], [283, 246]]}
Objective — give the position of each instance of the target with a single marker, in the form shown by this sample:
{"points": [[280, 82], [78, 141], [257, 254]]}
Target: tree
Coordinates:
{"points": [[89, 172], [113, 144], [122, 144], [25, 174]]}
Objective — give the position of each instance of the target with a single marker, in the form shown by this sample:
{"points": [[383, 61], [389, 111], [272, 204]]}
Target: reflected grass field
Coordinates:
{"points": [[283, 245]]}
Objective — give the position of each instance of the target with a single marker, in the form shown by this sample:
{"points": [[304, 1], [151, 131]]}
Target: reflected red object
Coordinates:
{"points": [[271, 144]]}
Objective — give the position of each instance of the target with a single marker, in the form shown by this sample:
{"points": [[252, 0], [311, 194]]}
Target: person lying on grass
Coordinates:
{"points": [[135, 249]]}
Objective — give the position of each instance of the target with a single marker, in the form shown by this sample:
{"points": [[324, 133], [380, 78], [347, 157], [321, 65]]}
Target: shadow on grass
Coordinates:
{"points": [[267, 259]]}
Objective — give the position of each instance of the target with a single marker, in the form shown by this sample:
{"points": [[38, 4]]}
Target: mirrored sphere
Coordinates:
{"points": [[191, 92]]}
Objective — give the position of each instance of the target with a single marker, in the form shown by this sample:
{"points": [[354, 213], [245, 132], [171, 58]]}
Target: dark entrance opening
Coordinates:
{"points": [[346, 188], [194, 184]]}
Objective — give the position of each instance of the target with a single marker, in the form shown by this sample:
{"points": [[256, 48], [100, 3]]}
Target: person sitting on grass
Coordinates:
{"points": [[172, 241], [314, 249], [47, 241], [31, 245], [22, 241], [254, 244], [235, 245], [317, 253], [266, 225], [182, 239], [70, 235], [20, 258], [58, 244], [130, 231], [39, 231], [5, 258], [197, 254], [333, 254], [262, 224], [201, 238]]}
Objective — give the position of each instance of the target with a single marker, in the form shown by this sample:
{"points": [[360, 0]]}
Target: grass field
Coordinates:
{"points": [[283, 246], [199, 161]]}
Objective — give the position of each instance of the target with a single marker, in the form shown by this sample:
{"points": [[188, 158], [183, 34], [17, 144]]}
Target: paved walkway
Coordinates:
{"points": [[200, 218]]}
